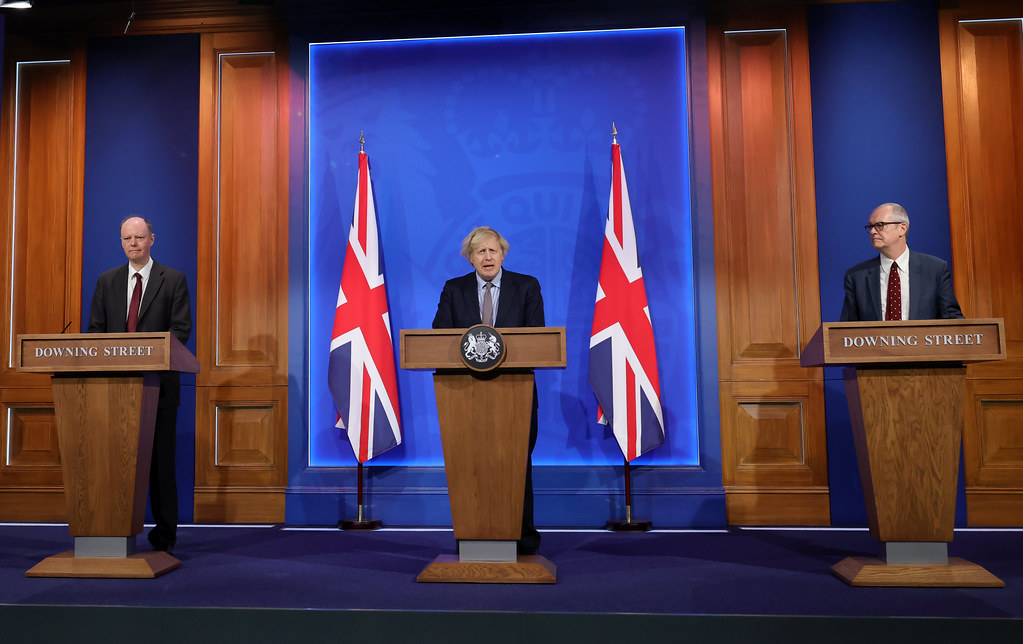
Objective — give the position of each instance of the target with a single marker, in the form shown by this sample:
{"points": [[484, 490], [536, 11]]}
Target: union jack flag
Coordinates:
{"points": [[360, 373], [623, 362]]}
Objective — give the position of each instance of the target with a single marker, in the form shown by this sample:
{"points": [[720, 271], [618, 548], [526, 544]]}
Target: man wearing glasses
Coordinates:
{"points": [[899, 284]]}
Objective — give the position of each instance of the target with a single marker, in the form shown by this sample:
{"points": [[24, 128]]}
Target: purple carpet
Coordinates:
{"points": [[738, 572]]}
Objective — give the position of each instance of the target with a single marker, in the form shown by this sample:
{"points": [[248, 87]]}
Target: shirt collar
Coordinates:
{"points": [[480, 282], [902, 260], [146, 270]]}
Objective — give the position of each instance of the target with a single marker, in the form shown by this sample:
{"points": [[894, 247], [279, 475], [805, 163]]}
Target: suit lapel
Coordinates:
{"points": [[874, 287], [120, 291], [914, 293], [155, 282], [472, 300], [506, 303]]}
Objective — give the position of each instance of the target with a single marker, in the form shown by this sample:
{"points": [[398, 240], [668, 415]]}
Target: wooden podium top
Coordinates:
{"points": [[527, 348], [81, 352], [851, 343]]}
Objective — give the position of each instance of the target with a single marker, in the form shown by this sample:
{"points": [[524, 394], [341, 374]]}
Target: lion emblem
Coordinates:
{"points": [[481, 347]]}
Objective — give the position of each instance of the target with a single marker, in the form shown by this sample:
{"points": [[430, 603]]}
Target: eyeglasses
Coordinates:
{"points": [[879, 226]]}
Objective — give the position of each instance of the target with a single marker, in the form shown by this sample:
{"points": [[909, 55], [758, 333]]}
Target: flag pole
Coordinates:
{"points": [[351, 314], [619, 217], [360, 523], [629, 525]]}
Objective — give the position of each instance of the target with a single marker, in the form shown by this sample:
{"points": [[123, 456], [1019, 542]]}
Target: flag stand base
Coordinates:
{"points": [[360, 523], [629, 526], [364, 524]]}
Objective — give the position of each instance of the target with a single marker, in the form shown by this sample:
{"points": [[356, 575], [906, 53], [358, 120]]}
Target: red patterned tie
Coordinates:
{"points": [[894, 306], [136, 299]]}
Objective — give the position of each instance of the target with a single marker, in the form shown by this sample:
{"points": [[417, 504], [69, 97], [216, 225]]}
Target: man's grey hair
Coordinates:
{"points": [[898, 212], [473, 239]]}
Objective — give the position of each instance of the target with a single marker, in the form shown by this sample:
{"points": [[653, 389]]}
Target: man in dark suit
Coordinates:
{"points": [[156, 300], [500, 298], [898, 284]]}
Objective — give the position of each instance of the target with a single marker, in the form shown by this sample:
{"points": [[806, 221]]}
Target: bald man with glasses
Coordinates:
{"points": [[898, 284]]}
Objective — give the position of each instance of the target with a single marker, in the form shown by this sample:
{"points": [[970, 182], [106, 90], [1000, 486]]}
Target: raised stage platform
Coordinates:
{"points": [[258, 583]]}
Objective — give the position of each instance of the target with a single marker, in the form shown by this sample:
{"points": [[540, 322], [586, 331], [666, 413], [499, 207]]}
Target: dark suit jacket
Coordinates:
{"points": [[930, 290], [164, 307], [520, 302]]}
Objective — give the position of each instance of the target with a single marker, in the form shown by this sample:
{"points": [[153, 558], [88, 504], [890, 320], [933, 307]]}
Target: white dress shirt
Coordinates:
{"points": [[495, 291], [146, 270], [902, 265]]}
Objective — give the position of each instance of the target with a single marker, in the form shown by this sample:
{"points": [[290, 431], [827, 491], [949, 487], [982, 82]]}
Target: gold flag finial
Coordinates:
{"points": [[614, 133], [362, 142]]}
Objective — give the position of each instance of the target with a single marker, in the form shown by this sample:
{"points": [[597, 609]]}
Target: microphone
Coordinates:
{"points": [[66, 326]]}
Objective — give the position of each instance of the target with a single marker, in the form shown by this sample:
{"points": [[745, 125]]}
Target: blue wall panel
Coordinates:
{"points": [[513, 132], [141, 158], [879, 136]]}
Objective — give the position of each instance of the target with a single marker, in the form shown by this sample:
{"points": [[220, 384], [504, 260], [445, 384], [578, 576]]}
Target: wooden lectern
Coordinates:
{"points": [[105, 393], [484, 425], [905, 390]]}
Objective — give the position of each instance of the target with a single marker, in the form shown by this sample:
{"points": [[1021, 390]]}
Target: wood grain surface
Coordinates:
{"points": [[529, 569], [105, 429], [484, 425], [959, 573], [907, 425], [142, 565]]}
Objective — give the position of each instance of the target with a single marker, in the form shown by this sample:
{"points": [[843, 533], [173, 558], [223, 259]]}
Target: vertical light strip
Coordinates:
{"points": [[216, 260], [14, 195], [309, 125], [216, 435], [7, 436], [14, 214]]}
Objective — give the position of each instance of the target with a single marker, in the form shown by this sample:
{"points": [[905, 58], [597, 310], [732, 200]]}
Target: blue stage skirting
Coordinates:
{"points": [[367, 580]]}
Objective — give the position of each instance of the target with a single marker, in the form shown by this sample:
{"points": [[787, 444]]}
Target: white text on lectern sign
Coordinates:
{"points": [[930, 340], [94, 352], [927, 340]]}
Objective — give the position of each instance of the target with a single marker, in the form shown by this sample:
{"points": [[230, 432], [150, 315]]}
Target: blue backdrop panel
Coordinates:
{"points": [[878, 136], [512, 132], [141, 151]]}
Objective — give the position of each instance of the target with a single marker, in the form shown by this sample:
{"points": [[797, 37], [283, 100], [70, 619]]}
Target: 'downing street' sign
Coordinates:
{"points": [[49, 353], [975, 340]]}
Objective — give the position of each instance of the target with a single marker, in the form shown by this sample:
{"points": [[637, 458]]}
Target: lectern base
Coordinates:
{"points": [[142, 565], [529, 569], [958, 573]]}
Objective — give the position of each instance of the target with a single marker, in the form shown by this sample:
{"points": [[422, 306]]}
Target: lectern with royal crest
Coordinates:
{"points": [[484, 385]]}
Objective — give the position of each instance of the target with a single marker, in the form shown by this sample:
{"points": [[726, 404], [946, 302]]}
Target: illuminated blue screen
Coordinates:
{"points": [[513, 132]]}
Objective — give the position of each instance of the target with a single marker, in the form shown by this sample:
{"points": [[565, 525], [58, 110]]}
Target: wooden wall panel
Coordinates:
{"points": [[982, 85], [31, 484], [32, 440], [246, 313], [241, 419], [42, 150], [244, 454], [774, 456]]}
